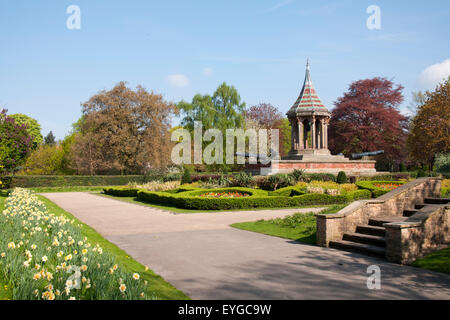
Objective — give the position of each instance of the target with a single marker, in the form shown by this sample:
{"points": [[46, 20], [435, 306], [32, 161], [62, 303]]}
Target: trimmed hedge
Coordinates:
{"points": [[376, 192], [188, 200], [288, 192], [121, 191], [68, 181], [445, 192]]}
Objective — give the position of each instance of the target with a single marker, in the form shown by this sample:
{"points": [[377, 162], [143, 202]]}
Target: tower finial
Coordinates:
{"points": [[307, 63]]}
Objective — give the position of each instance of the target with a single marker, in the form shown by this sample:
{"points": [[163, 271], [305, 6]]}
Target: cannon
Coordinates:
{"points": [[366, 154]]}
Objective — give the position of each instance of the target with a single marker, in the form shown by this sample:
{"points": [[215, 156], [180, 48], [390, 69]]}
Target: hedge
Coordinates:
{"points": [[188, 200], [68, 181], [121, 191], [288, 192], [445, 192], [376, 191]]}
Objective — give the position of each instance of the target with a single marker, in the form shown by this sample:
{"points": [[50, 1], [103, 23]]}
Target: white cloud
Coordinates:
{"points": [[434, 74], [178, 80], [207, 71], [280, 5]]}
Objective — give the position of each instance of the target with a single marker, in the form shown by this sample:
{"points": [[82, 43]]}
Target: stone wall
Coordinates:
{"points": [[424, 232], [333, 226]]}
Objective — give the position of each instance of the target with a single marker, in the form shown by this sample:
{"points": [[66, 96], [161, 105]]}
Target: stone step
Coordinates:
{"points": [[419, 206], [358, 247], [365, 238], [371, 230], [378, 222], [409, 212], [437, 200]]}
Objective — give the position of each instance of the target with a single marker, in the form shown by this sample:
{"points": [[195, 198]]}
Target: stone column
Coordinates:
{"points": [[326, 133], [292, 134], [322, 140], [313, 132], [301, 144]]}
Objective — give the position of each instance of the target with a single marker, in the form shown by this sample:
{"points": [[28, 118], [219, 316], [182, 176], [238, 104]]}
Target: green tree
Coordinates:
{"points": [[46, 160], [33, 128], [15, 144], [223, 110], [50, 139]]}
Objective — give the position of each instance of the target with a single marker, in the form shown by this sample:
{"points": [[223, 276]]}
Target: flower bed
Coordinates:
{"points": [[46, 257], [224, 195], [378, 188]]}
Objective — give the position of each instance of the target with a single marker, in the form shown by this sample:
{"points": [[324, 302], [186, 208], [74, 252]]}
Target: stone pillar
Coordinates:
{"points": [[322, 142], [313, 132], [300, 134], [292, 134], [326, 133]]}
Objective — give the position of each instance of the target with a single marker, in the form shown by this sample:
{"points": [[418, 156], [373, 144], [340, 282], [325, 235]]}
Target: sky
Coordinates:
{"points": [[180, 48]]}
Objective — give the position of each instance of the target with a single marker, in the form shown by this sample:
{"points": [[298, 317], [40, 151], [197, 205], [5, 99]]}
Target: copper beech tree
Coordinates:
{"points": [[123, 131], [366, 118], [430, 128]]}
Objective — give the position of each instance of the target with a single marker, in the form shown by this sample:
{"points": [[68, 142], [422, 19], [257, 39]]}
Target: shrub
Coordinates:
{"points": [[320, 177], [442, 163], [186, 179], [190, 200], [121, 191], [341, 178], [375, 190], [298, 175], [242, 179], [276, 181], [68, 181], [403, 167], [288, 192], [156, 185], [421, 173]]}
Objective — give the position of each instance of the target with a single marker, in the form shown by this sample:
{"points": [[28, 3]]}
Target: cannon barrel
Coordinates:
{"points": [[366, 154]]}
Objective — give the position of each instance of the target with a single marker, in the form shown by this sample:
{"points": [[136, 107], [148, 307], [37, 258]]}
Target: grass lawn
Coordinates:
{"points": [[436, 261], [299, 227], [178, 210]]}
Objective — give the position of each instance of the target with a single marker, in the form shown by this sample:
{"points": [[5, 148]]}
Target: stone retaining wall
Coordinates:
{"points": [[425, 231], [333, 226]]}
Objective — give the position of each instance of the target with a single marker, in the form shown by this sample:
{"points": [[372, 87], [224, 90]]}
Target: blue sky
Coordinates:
{"points": [[180, 48]]}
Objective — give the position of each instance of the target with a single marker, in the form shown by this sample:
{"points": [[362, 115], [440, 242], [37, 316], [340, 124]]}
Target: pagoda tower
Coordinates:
{"points": [[309, 120]]}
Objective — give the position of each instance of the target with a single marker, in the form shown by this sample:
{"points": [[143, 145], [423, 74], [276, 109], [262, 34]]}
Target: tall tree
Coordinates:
{"points": [[50, 139], [123, 130], [15, 144], [367, 118], [33, 128], [430, 128], [223, 110], [266, 116]]}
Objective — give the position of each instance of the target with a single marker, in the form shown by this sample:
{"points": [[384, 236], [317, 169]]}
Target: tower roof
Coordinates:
{"points": [[308, 100]]}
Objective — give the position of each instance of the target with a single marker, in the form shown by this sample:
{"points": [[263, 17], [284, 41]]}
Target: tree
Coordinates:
{"points": [[123, 130], [46, 160], [15, 144], [266, 116], [366, 118], [430, 128], [33, 128], [50, 139], [222, 110]]}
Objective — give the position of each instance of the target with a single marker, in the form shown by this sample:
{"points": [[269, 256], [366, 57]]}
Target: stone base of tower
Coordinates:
{"points": [[321, 164]]}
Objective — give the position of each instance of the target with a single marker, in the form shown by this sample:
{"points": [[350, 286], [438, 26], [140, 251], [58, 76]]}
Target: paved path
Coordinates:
{"points": [[202, 256]]}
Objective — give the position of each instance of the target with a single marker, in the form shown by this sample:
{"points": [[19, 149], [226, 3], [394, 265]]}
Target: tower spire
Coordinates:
{"points": [[308, 98]]}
